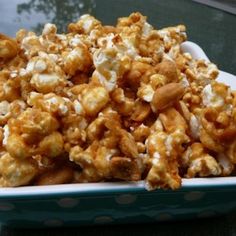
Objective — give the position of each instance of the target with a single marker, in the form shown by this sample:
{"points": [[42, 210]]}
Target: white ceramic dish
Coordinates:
{"points": [[123, 202]]}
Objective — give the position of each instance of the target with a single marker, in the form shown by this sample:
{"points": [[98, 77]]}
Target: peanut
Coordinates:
{"points": [[166, 96]]}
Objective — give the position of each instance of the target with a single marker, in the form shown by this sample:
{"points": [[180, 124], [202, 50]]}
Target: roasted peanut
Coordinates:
{"points": [[61, 175], [166, 96]]}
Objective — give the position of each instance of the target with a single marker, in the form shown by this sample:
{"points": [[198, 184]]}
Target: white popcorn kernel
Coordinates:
{"points": [[43, 54], [108, 84], [62, 37], [6, 88], [4, 108], [110, 154], [75, 53], [84, 16], [27, 43], [40, 66], [209, 98], [155, 161], [33, 95], [147, 93], [165, 35], [75, 42], [30, 66], [212, 68], [22, 72], [225, 163], [131, 50], [168, 144], [184, 80], [6, 134], [83, 124], [49, 29], [156, 155], [87, 21], [45, 79], [78, 107], [194, 126], [52, 101], [99, 58], [147, 28], [63, 109], [13, 74], [53, 57], [131, 128]]}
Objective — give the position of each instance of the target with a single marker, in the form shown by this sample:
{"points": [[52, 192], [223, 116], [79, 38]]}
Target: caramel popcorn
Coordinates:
{"points": [[108, 103]]}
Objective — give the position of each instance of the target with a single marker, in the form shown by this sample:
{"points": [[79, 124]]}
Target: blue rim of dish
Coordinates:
{"points": [[104, 189]]}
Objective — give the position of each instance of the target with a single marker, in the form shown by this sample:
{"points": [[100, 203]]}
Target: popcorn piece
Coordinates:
{"points": [[225, 163], [51, 145], [78, 59], [85, 24], [49, 29], [50, 103], [210, 98], [127, 145], [110, 62], [85, 159], [31, 45], [17, 147], [73, 130], [201, 72], [4, 112], [35, 121], [146, 92], [164, 171], [139, 72], [45, 82], [15, 172], [200, 163], [94, 99]]}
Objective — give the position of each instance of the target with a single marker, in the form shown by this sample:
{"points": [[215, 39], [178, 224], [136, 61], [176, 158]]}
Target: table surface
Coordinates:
{"points": [[214, 30]]}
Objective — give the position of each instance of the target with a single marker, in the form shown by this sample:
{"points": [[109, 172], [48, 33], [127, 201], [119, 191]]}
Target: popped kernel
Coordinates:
{"points": [[16, 172]]}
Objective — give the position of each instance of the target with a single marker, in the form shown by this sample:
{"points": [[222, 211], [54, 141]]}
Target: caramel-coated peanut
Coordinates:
{"points": [[166, 96]]}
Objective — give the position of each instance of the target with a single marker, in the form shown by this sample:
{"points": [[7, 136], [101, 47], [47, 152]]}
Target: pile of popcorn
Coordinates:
{"points": [[104, 103]]}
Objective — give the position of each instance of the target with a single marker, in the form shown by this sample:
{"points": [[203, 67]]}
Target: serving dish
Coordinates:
{"points": [[115, 203]]}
